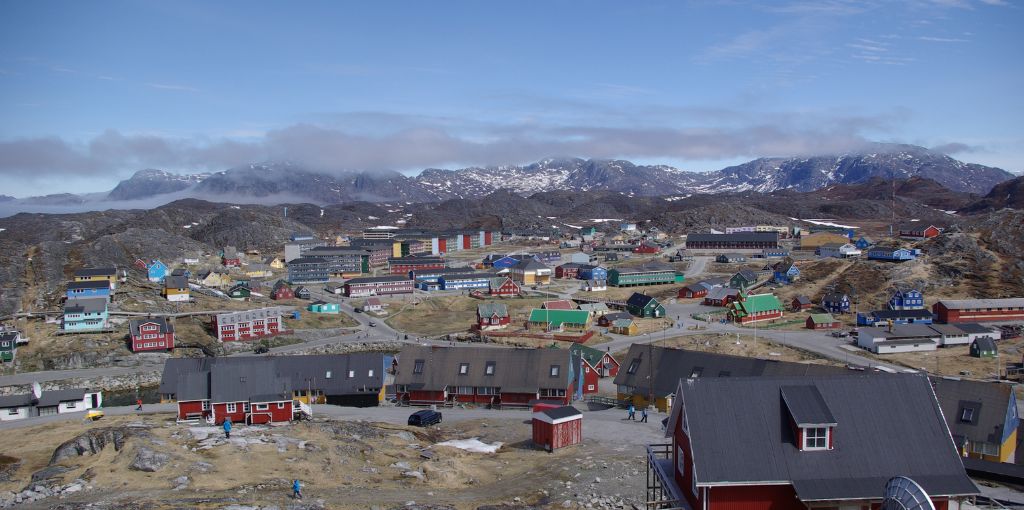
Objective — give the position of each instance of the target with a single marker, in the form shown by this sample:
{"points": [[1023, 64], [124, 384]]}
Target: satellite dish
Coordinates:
{"points": [[37, 390], [902, 493]]}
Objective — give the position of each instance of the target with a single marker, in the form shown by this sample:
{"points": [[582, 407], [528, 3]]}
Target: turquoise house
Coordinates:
{"points": [[84, 314], [324, 307], [157, 271]]}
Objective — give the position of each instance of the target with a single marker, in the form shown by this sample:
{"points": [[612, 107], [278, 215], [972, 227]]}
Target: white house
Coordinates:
{"points": [[627, 227], [17, 407], [839, 251], [900, 338], [595, 285]]}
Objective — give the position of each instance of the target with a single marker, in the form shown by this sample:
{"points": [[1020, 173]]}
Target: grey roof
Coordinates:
{"points": [[55, 397], [593, 307], [492, 309], [806, 405], [164, 324], [558, 413], [747, 274], [376, 279], [640, 300], [888, 425], [85, 305], [614, 316], [98, 284], [834, 297], [516, 370], [8, 401], [973, 328], [901, 331], [734, 237], [989, 402], [175, 282], [948, 329], [529, 264], [96, 271], [671, 365], [803, 300], [985, 344], [721, 293], [247, 315], [959, 304], [901, 314], [193, 377]]}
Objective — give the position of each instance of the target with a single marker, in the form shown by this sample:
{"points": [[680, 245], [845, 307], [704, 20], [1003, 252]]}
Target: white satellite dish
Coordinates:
{"points": [[37, 390], [902, 493]]}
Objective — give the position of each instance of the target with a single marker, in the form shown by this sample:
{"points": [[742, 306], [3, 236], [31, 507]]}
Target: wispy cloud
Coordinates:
{"points": [[956, 148], [942, 39], [171, 86]]}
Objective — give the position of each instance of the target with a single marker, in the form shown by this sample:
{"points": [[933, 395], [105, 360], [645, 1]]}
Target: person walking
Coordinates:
{"points": [[632, 412], [227, 428], [296, 489], [138, 404], [643, 415]]}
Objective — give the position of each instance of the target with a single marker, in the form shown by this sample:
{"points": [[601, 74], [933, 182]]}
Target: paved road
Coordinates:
{"points": [[697, 267]]}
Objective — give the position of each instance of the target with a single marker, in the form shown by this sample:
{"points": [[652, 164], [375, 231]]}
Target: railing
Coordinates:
{"points": [[662, 491], [302, 409], [607, 401]]}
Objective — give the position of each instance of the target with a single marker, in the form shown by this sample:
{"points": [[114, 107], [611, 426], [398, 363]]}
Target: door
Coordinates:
{"points": [[95, 401]]}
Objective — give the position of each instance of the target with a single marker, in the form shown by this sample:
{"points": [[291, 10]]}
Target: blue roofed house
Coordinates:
{"points": [[911, 299], [836, 302], [89, 289], [505, 262], [156, 271], [85, 314], [785, 272], [863, 243]]}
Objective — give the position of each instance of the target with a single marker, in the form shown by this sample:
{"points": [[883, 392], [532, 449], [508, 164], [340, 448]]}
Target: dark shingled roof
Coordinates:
{"points": [[988, 402], [887, 425], [55, 397], [16, 400], [515, 370], [562, 412], [806, 405], [96, 284], [670, 365], [162, 323]]}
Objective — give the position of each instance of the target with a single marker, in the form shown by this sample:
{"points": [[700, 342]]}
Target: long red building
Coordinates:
{"points": [[402, 265], [248, 325], [952, 311], [485, 376]]}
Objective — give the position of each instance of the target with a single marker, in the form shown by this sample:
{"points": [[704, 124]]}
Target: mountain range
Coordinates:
{"points": [[281, 182]]}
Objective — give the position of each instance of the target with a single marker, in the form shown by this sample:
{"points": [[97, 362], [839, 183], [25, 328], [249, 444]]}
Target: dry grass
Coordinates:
{"points": [[442, 315], [721, 343], [955, 359], [310, 320]]}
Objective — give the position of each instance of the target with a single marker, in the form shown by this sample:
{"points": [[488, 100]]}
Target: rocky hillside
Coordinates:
{"points": [[150, 182], [1008, 194]]}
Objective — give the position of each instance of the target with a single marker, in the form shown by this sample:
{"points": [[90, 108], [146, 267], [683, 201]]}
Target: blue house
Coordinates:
{"points": [[891, 253], [907, 300], [863, 243], [156, 270], [465, 281], [835, 302], [323, 307], [94, 289], [86, 314], [505, 262], [898, 317], [589, 272], [785, 272]]}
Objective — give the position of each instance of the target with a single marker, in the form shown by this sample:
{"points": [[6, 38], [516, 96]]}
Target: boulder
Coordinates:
{"points": [[90, 442], [149, 461]]}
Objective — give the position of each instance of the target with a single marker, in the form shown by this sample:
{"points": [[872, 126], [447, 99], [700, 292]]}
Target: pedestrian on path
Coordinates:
{"points": [[138, 406], [227, 428], [632, 412], [296, 489], [643, 415]]}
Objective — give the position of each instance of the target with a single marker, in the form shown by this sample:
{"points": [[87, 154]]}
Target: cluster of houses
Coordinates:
{"points": [[566, 316]]}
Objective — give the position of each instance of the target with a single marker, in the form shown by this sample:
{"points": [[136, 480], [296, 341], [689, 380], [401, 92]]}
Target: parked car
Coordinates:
{"points": [[261, 349], [424, 418], [373, 324], [357, 310], [839, 334]]}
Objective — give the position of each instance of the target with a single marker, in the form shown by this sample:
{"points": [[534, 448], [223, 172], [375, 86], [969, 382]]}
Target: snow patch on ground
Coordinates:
{"points": [[472, 445], [385, 227], [826, 222], [572, 226], [602, 220]]}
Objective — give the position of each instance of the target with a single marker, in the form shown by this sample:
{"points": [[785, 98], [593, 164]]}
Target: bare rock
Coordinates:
{"points": [[149, 461]]}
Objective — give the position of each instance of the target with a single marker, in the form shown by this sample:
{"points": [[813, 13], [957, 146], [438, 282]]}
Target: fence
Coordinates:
{"points": [[543, 336]]}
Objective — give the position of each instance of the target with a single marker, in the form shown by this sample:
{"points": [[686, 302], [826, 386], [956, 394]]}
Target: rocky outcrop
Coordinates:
{"points": [[149, 461], [91, 442]]}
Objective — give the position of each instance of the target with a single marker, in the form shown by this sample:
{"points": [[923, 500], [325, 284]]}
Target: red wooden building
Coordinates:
{"points": [[646, 247], [503, 286], [801, 302], [822, 321], [230, 257], [282, 291], [692, 291], [952, 311], [151, 334], [402, 265], [569, 270], [248, 325], [919, 231], [492, 316], [556, 427], [485, 376], [810, 437]]}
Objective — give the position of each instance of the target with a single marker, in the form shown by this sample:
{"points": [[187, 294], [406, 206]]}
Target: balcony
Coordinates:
{"points": [[662, 491]]}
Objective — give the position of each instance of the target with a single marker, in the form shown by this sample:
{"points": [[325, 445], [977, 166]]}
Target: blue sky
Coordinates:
{"points": [[92, 91]]}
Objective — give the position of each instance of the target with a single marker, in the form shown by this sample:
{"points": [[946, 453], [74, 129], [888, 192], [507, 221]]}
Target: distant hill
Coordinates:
{"points": [[1008, 194]]}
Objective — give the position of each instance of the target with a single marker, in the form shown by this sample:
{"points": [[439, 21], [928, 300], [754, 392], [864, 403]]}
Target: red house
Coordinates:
{"points": [[595, 365], [693, 291], [402, 265], [569, 270], [282, 291], [151, 334], [492, 316], [919, 231], [646, 248], [556, 427], [952, 311], [248, 325], [503, 286], [235, 393], [559, 304], [801, 302], [817, 441], [484, 376], [822, 321], [230, 257]]}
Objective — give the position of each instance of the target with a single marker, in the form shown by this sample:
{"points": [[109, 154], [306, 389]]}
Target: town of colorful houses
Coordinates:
{"points": [[601, 302]]}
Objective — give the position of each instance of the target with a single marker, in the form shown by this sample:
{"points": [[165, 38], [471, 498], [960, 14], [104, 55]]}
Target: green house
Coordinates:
{"points": [[8, 345], [642, 305], [643, 275], [753, 308], [984, 347], [323, 307], [559, 320], [239, 292]]}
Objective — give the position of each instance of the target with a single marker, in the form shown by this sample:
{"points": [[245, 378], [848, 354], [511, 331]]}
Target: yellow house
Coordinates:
{"points": [[276, 263], [624, 327], [215, 279], [257, 271], [531, 272], [93, 274], [982, 417]]}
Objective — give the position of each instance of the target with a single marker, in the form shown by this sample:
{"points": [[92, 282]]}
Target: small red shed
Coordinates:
{"points": [[556, 427]]}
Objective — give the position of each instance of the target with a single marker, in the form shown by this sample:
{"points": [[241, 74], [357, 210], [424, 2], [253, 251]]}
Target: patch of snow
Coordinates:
{"points": [[2, 229], [951, 213], [321, 213], [235, 207], [827, 223], [472, 445], [602, 220], [187, 226], [385, 227], [572, 226], [372, 218]]}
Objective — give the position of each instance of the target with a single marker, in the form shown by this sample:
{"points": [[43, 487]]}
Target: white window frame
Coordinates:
{"points": [[262, 407], [370, 373], [555, 370], [206, 405], [232, 407], [489, 368], [463, 368], [590, 387], [810, 441], [70, 405], [351, 374], [280, 405]]}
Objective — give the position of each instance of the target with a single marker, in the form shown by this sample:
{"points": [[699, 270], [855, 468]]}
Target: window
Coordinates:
{"points": [[696, 372], [245, 407], [232, 407], [280, 405], [262, 407], [486, 390], [417, 367], [489, 368], [13, 411], [464, 390], [69, 405], [369, 373], [463, 368], [967, 415], [327, 375], [815, 438], [351, 374], [984, 448], [552, 392], [555, 370], [206, 405], [590, 387]]}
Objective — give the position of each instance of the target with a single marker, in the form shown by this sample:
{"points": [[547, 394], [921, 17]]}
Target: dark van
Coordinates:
{"points": [[424, 418]]}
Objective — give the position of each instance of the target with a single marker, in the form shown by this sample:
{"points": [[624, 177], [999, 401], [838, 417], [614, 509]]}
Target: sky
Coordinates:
{"points": [[90, 92]]}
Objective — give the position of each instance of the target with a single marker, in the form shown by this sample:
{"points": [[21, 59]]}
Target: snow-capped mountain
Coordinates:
{"points": [[150, 182]]}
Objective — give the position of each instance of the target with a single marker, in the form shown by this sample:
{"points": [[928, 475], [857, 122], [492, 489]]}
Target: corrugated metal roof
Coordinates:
{"points": [[55, 397], [97, 284], [959, 304], [888, 425], [515, 370]]}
